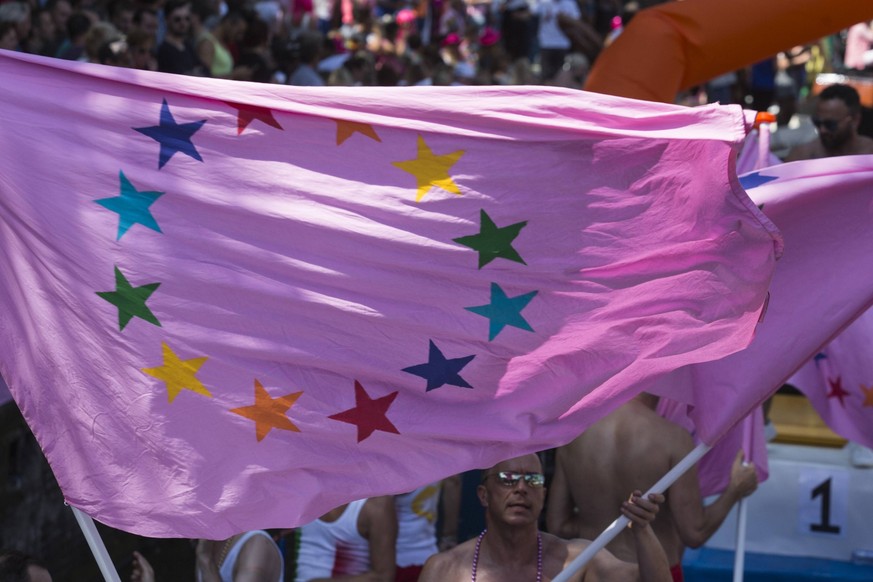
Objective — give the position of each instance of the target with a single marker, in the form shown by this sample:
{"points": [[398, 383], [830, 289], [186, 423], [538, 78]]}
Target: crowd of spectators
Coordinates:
{"points": [[325, 42]]}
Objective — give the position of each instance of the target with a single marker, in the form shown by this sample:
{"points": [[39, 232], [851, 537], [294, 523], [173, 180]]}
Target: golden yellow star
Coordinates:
{"points": [[868, 395], [345, 130], [268, 412], [431, 170], [178, 374]]}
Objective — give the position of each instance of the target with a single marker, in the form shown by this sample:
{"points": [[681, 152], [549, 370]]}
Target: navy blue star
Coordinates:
{"points": [[503, 310], [439, 371], [754, 180], [818, 358], [173, 137]]}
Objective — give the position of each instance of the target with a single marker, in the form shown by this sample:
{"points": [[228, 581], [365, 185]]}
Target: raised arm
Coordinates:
{"points": [[652, 564], [695, 522], [561, 517], [450, 499]]}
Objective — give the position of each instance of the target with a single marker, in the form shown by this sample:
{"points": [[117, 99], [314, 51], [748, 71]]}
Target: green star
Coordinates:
{"points": [[493, 242], [130, 301]]}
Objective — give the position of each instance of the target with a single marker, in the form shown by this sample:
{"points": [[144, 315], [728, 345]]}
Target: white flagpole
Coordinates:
{"points": [[98, 548], [740, 555], [615, 527]]}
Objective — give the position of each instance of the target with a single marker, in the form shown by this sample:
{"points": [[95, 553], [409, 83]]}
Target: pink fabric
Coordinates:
{"points": [[320, 327], [859, 39], [839, 381], [755, 153], [823, 209]]}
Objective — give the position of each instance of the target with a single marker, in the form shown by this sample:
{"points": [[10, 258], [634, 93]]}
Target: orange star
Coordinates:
{"points": [[868, 395], [345, 130], [268, 412]]}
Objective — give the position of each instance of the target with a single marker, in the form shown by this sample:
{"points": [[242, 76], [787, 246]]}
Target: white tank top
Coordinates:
{"points": [[226, 570], [327, 550], [416, 521]]}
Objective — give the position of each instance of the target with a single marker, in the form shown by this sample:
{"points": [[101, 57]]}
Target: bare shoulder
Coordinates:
{"points": [[449, 566], [866, 144]]}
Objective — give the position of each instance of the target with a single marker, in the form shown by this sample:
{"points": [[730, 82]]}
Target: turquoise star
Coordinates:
{"points": [[503, 310], [173, 137], [132, 207]]}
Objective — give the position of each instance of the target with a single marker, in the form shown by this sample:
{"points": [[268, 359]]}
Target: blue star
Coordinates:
{"points": [[503, 310], [132, 207], [173, 137], [754, 180], [819, 357], [439, 371]]}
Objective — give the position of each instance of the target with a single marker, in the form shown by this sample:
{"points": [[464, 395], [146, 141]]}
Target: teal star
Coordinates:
{"points": [[503, 310], [130, 301], [493, 242], [132, 207]]}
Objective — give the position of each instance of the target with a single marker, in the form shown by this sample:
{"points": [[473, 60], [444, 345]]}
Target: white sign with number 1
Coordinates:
{"points": [[823, 502]]}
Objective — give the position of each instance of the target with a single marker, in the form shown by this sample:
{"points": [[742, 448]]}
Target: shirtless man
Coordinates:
{"points": [[634, 446], [837, 117], [512, 547]]}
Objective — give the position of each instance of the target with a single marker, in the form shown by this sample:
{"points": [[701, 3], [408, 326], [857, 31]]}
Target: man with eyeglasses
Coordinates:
{"points": [[837, 117], [176, 54], [513, 548]]}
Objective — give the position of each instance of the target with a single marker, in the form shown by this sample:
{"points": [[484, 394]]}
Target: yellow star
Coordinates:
{"points": [[345, 129], [868, 395], [268, 412], [431, 170], [178, 374]]}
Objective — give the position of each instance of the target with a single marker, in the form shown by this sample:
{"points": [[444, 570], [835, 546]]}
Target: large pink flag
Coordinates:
{"points": [[228, 305], [838, 381], [824, 281]]}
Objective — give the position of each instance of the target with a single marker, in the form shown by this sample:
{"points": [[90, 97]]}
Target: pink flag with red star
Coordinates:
{"points": [[824, 210], [228, 306], [838, 381]]}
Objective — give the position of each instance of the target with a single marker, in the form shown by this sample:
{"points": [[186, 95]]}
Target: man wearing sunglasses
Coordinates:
{"points": [[837, 117], [512, 548]]}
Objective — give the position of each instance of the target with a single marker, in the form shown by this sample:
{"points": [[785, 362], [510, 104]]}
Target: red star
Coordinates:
{"points": [[249, 113], [368, 414], [837, 390]]}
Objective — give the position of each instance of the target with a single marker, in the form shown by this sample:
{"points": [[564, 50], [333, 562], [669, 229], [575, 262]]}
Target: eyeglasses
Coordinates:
{"points": [[828, 124], [511, 478]]}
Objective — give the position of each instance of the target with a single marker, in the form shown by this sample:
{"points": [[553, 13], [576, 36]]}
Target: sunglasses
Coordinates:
{"points": [[828, 124], [511, 478]]}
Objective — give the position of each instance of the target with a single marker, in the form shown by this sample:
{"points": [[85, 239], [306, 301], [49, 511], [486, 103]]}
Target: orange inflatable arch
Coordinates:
{"points": [[675, 46]]}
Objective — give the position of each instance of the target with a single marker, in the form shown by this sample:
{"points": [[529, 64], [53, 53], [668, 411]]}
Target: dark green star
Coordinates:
{"points": [[130, 301], [493, 242]]}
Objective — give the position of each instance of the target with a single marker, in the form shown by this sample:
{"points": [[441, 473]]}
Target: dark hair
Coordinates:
{"points": [[14, 565], [78, 24], [173, 5], [845, 93]]}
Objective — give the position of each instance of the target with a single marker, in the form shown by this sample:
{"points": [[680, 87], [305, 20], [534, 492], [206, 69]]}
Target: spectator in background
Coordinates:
{"points": [[141, 48], [554, 44], [176, 54], [120, 14], [859, 40], [309, 53], [18, 14], [146, 20], [837, 117], [73, 46], [8, 36], [19, 567]]}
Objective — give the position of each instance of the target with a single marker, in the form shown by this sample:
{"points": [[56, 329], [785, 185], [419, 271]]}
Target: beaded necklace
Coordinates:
{"points": [[539, 556]]}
